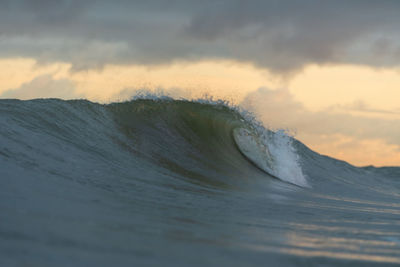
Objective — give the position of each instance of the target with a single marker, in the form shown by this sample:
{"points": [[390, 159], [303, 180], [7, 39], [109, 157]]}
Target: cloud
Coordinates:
{"points": [[43, 87], [282, 36], [337, 133], [279, 109], [363, 107]]}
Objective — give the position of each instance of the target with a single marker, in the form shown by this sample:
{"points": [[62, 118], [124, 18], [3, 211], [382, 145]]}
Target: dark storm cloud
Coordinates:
{"points": [[279, 35]]}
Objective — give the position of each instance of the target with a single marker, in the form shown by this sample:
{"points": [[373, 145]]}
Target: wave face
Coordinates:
{"points": [[168, 182]]}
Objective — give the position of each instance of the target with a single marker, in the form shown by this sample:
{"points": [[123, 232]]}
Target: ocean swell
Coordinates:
{"points": [[176, 182]]}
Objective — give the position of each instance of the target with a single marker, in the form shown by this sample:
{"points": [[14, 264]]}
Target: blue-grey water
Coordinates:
{"points": [[165, 183]]}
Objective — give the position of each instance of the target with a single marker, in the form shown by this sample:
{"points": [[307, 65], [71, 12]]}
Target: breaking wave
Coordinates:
{"points": [[152, 176]]}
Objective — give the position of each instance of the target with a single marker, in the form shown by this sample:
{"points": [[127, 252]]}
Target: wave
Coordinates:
{"points": [[211, 133], [201, 141], [141, 181]]}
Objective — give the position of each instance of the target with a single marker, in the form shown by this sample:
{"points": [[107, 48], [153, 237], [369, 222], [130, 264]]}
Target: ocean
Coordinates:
{"points": [[163, 182]]}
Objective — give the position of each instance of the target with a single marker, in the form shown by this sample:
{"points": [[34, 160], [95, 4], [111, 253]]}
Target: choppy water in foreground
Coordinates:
{"points": [[179, 183]]}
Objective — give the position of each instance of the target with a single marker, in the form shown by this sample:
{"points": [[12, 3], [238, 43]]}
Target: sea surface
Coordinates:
{"points": [[162, 182]]}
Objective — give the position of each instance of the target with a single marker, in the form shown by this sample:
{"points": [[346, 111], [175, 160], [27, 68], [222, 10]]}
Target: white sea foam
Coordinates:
{"points": [[272, 152]]}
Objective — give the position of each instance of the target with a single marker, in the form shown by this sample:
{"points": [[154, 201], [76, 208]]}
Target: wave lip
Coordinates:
{"points": [[271, 152]]}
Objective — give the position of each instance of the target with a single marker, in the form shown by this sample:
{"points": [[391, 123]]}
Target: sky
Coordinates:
{"points": [[327, 71]]}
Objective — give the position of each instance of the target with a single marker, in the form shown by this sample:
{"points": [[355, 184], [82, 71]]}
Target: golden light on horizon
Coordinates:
{"points": [[220, 79], [319, 87]]}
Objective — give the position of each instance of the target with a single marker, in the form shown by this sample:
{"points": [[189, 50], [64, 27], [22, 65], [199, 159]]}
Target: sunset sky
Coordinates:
{"points": [[327, 71]]}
